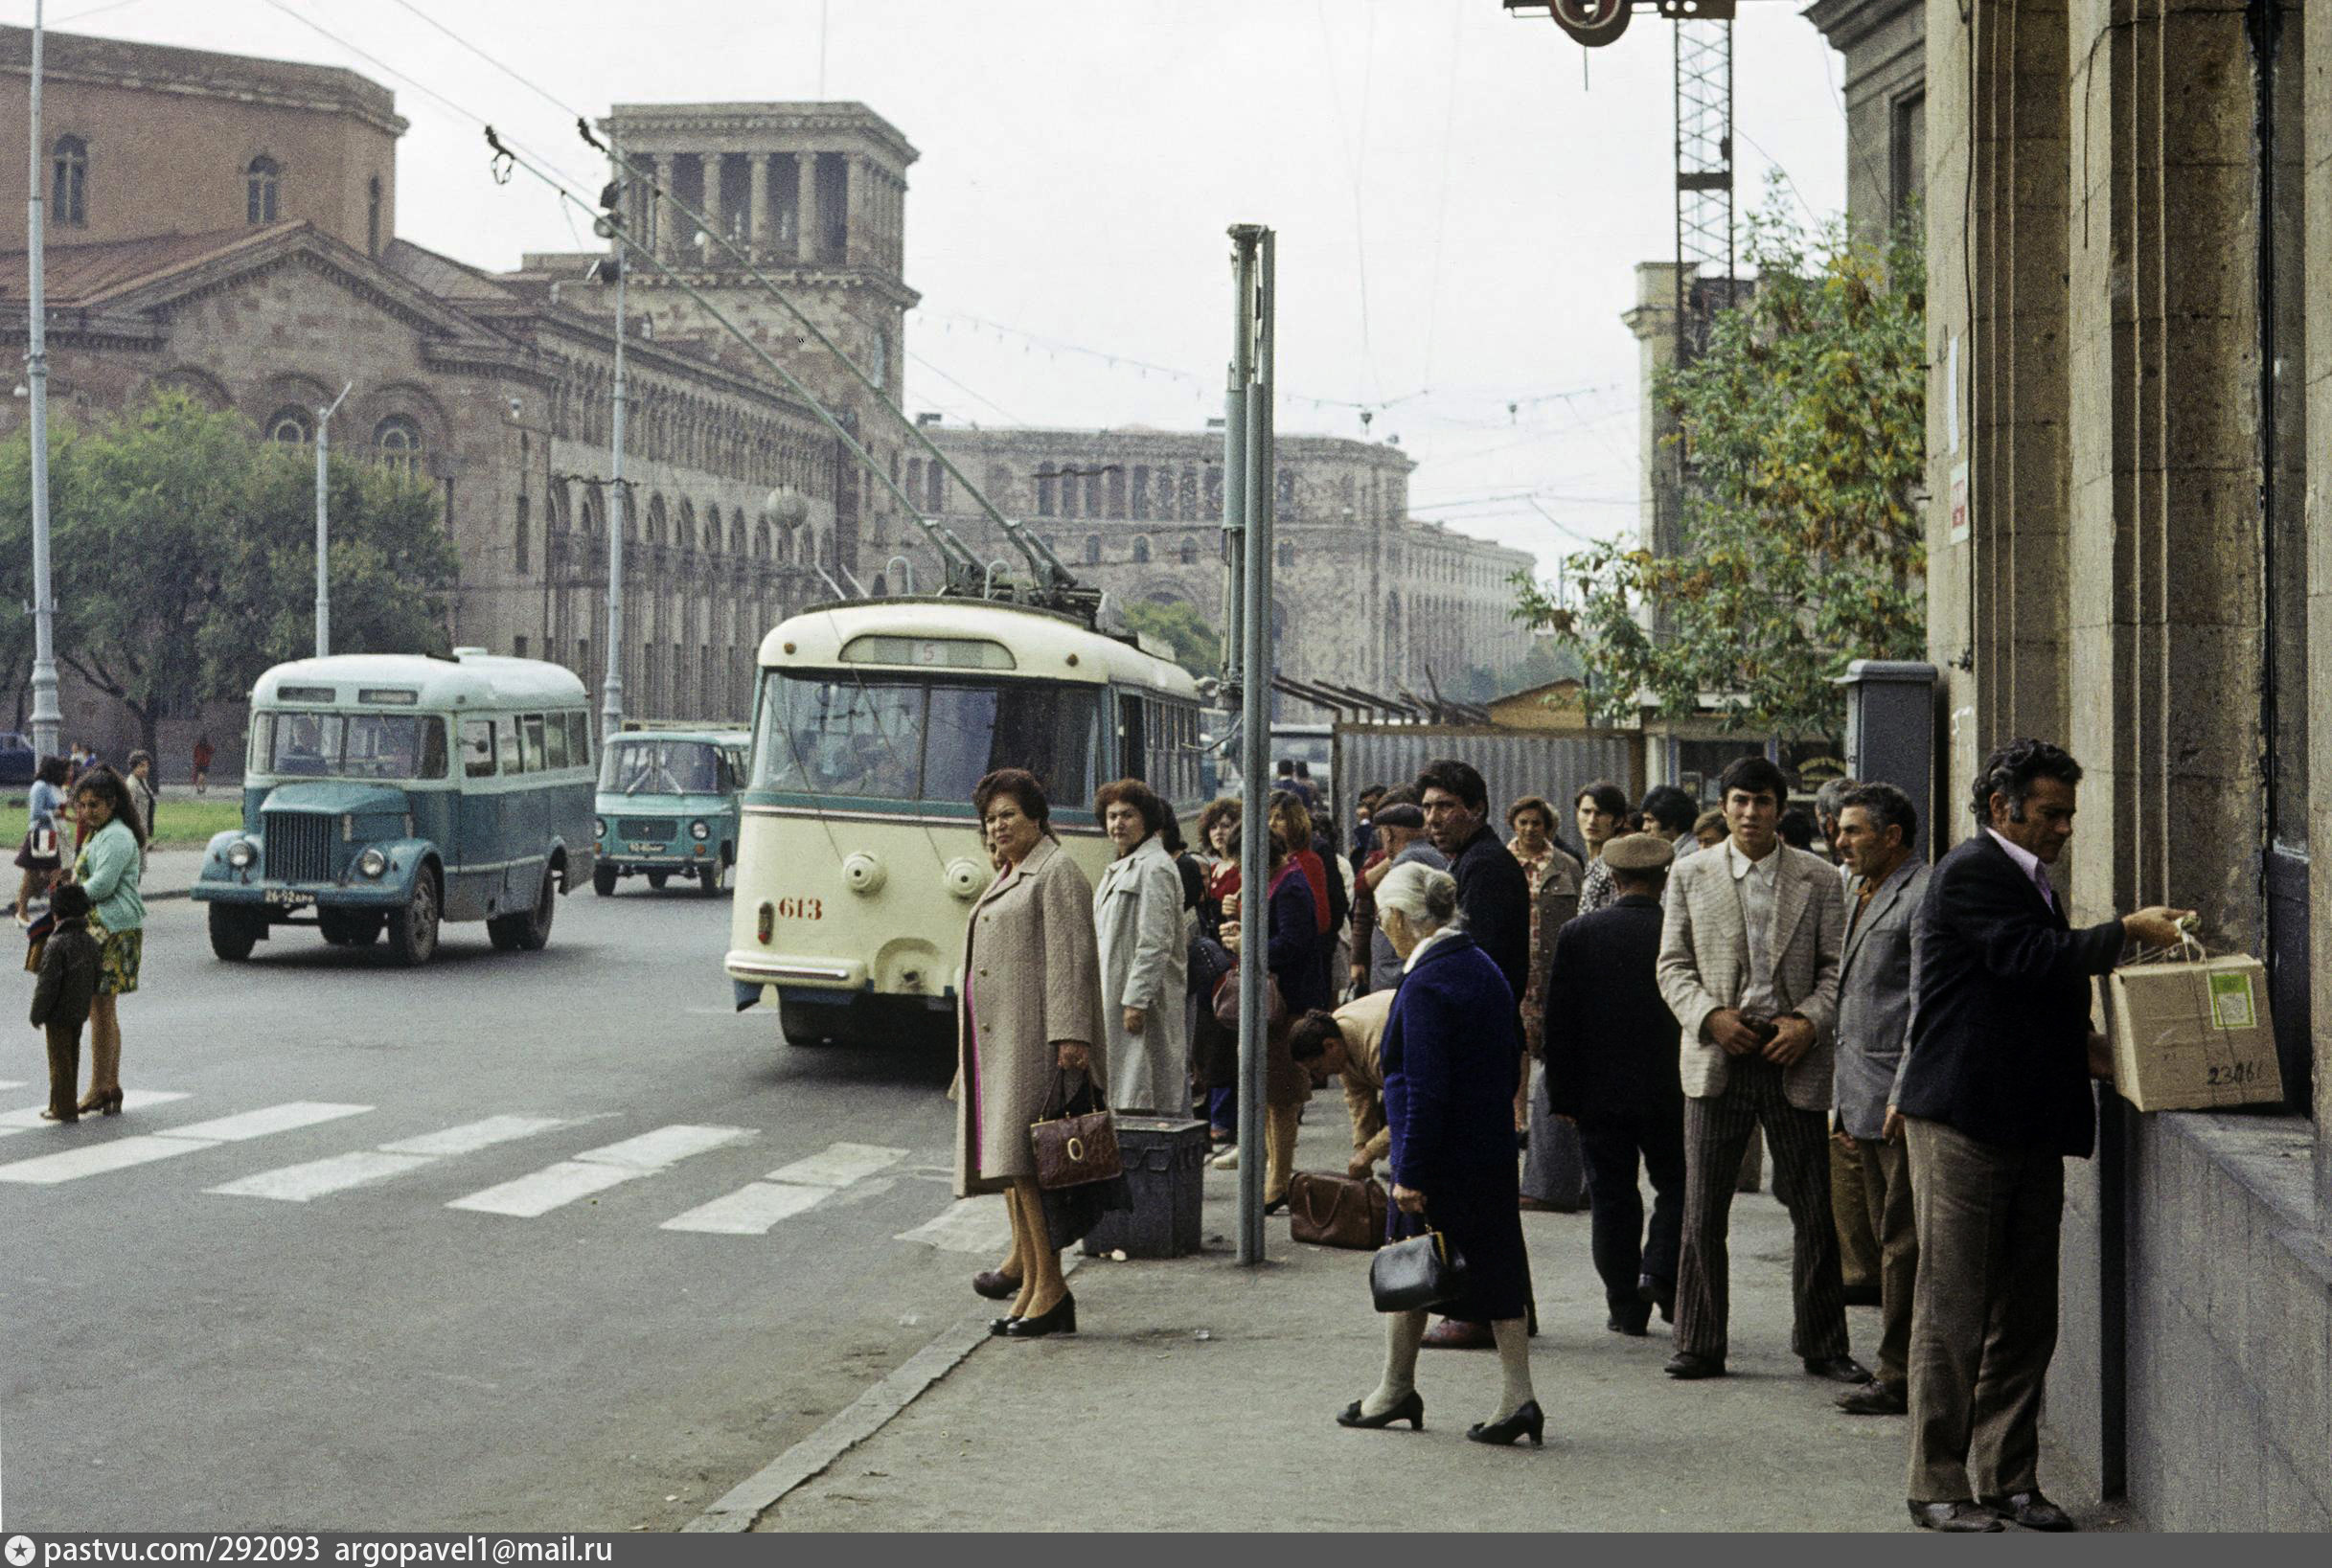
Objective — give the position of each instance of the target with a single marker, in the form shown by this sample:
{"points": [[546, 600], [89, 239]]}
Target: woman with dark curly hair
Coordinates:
{"points": [[112, 853], [1029, 1037], [40, 856]]}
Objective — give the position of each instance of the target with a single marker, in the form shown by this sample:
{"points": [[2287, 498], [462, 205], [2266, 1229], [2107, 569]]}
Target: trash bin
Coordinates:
{"points": [[1164, 1158]]}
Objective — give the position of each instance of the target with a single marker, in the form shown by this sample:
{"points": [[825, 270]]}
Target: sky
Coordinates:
{"points": [[1460, 195]]}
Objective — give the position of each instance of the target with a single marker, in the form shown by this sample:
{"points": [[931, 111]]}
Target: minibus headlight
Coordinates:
{"points": [[240, 853], [698, 830], [598, 827], [371, 862]]}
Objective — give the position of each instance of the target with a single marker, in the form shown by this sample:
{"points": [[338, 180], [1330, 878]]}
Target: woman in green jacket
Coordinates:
{"points": [[108, 869]]}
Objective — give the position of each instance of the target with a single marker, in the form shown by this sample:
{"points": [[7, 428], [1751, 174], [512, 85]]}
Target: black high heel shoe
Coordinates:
{"points": [[1410, 1409], [111, 1105], [1527, 1421], [1000, 1327], [1061, 1320]]}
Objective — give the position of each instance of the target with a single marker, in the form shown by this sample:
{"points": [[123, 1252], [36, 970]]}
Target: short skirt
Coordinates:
{"points": [[118, 957], [27, 860]]}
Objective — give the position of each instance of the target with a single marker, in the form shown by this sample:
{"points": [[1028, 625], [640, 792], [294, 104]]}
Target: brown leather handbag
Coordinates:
{"points": [[1074, 1146], [1330, 1211]]}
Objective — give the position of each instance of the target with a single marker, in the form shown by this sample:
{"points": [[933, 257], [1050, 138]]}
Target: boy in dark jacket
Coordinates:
{"points": [[61, 999]]}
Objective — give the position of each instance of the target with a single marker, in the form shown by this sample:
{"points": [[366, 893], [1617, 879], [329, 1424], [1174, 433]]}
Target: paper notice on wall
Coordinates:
{"points": [[1959, 503]]}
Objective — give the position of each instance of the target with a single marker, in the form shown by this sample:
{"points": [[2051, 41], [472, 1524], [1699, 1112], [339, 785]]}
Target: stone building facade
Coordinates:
{"points": [[1362, 594], [2129, 231]]}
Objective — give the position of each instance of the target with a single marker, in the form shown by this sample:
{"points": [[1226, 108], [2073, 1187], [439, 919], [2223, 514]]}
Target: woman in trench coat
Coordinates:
{"points": [[1029, 1036], [1145, 955]]}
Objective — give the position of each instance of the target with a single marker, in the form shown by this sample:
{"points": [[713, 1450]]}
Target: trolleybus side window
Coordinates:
{"points": [[1134, 759], [477, 748]]}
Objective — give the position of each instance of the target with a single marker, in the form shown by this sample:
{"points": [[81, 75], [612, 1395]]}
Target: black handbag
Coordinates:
{"points": [[1421, 1272]]}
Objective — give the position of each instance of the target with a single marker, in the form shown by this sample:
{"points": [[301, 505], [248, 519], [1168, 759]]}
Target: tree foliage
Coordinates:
{"points": [[1803, 424], [1198, 646], [183, 555]]}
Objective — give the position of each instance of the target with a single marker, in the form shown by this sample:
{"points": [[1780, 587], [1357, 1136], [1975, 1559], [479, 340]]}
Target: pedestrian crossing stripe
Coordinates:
{"points": [[972, 1224], [749, 1210], [320, 1178], [143, 1148], [595, 1170], [29, 1117], [838, 1165]]}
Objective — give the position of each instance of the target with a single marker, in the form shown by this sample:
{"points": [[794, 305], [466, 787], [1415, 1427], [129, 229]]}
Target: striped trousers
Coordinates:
{"points": [[1716, 1134]]}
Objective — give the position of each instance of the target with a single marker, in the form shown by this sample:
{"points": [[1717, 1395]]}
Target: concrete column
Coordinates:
{"points": [[856, 194], [1653, 321], [806, 208], [656, 211], [2316, 152], [710, 206], [757, 203]]}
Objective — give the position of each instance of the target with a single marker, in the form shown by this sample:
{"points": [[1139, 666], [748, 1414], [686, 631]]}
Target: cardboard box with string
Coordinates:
{"points": [[2191, 1029]]}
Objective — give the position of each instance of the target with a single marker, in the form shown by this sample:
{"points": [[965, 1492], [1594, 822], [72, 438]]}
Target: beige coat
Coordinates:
{"points": [[1362, 1022], [1703, 963], [1138, 919], [1032, 976]]}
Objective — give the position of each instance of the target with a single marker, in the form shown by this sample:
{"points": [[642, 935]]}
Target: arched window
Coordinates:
{"points": [[1141, 550], [1141, 493], [914, 478], [262, 178], [1287, 555], [69, 183], [1285, 493], [288, 426], [1190, 552], [520, 553], [1044, 491], [396, 441], [372, 216], [1093, 550], [760, 542], [737, 535], [938, 479]]}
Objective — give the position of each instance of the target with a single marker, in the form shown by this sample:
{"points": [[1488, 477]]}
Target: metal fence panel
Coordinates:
{"points": [[1513, 762]]}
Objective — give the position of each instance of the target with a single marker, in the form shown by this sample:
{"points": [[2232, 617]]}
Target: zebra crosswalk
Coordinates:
{"points": [[536, 1179]]}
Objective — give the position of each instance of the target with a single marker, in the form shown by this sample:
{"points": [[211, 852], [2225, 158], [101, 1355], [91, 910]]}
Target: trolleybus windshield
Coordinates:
{"points": [[887, 739]]}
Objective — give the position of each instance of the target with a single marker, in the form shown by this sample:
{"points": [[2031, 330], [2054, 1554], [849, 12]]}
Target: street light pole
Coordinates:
{"points": [[324, 587], [611, 699], [47, 718]]}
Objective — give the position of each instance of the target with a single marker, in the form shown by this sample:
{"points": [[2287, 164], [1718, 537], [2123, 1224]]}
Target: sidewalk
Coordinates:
{"points": [[1201, 1397], [170, 873]]}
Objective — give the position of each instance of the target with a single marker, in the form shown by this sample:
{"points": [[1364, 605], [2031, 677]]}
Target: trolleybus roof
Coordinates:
{"points": [[1043, 642]]}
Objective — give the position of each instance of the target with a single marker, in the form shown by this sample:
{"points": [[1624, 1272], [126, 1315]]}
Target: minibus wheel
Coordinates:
{"points": [[708, 879], [603, 879], [657, 879], [413, 929], [234, 932]]}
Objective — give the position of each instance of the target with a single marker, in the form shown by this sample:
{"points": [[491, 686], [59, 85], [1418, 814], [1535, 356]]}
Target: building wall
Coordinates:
{"points": [[170, 134]]}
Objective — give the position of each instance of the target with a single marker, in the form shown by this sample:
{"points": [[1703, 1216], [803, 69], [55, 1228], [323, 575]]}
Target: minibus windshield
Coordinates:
{"points": [[661, 768], [303, 744], [882, 737]]}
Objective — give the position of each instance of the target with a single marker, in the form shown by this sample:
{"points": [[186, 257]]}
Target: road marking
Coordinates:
{"points": [[299, 1183], [284, 1118], [11, 1084], [972, 1224], [838, 1165], [471, 1136], [749, 1210], [132, 1100], [664, 1147], [95, 1159]]}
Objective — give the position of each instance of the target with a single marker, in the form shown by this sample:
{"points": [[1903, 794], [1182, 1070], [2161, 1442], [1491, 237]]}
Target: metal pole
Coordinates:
{"points": [[47, 718], [612, 698], [1252, 535], [324, 590]]}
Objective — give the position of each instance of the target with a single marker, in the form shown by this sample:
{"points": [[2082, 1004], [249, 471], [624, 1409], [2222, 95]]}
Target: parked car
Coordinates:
{"points": [[18, 760]]}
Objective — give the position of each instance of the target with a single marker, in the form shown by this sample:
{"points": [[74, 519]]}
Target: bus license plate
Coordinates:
{"points": [[289, 897]]}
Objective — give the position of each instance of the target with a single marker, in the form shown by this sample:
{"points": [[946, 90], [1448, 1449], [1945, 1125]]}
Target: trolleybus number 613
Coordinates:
{"points": [[801, 909]]}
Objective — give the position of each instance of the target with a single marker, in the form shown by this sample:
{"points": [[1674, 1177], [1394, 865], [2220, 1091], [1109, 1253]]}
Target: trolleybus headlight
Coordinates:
{"points": [[698, 830], [242, 854], [371, 862], [965, 878], [862, 874]]}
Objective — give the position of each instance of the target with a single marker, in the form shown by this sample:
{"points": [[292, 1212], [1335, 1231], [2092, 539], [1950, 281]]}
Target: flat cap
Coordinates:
{"points": [[1397, 816], [1638, 851]]}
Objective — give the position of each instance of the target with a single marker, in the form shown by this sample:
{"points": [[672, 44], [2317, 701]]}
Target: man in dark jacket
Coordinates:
{"points": [[1611, 1045], [60, 997], [1494, 896], [1993, 1096]]}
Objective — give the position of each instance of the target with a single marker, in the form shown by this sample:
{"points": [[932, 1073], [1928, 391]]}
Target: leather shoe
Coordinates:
{"points": [[1450, 1335], [1635, 1321], [1687, 1366], [1545, 1206], [1872, 1398], [1838, 1369], [994, 1285], [2030, 1510], [1963, 1517], [1659, 1292]]}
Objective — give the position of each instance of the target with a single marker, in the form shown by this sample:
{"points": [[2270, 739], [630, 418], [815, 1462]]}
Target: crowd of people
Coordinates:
{"points": [[1526, 1022]]}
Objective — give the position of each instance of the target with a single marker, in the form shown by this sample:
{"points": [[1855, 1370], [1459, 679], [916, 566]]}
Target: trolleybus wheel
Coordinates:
{"points": [[234, 932], [413, 929]]}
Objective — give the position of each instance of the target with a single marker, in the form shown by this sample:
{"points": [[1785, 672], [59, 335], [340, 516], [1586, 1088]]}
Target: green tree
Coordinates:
{"points": [[1198, 646], [1804, 425], [184, 556]]}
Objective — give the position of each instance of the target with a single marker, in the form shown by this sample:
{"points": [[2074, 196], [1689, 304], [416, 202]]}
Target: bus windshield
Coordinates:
{"points": [[661, 768], [300, 744], [923, 739]]}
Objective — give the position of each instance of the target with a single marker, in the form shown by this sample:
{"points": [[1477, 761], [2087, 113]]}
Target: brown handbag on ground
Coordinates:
{"points": [[1330, 1211], [1075, 1147]]}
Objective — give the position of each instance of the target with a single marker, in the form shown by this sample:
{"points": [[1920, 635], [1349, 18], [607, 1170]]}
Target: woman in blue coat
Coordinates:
{"points": [[1450, 1053]]}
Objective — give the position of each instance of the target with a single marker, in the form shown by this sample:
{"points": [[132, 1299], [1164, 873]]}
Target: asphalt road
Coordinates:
{"points": [[340, 1345]]}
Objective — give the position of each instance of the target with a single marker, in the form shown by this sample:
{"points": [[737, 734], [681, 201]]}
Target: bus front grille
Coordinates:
{"points": [[299, 846], [657, 830]]}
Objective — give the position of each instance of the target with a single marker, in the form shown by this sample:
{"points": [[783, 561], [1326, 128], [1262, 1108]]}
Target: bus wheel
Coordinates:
{"points": [[234, 932], [708, 879], [657, 880], [527, 931], [413, 929], [603, 880]]}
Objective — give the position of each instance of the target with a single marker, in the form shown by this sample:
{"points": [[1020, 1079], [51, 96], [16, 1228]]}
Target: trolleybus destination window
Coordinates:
{"points": [[902, 740]]}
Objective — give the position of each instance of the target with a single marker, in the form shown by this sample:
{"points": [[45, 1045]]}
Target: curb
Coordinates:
{"points": [[737, 1510]]}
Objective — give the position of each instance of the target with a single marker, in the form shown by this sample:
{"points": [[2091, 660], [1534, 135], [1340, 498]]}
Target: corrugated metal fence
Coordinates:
{"points": [[1512, 762]]}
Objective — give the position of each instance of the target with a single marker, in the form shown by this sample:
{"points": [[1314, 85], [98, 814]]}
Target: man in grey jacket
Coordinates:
{"points": [[1876, 825]]}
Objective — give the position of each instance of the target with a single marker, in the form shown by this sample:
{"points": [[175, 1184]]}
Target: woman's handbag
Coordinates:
{"points": [[1074, 1148], [1330, 1211], [1421, 1272]]}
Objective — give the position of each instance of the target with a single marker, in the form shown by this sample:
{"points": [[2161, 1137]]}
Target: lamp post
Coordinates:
{"points": [[612, 694], [324, 587], [47, 718]]}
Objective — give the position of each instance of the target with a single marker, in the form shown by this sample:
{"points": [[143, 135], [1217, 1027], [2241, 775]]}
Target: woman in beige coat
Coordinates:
{"points": [[1030, 1030]]}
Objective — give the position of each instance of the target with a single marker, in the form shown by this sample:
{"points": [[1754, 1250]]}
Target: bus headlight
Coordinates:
{"points": [[862, 874], [372, 863], [241, 853], [699, 832], [965, 878]]}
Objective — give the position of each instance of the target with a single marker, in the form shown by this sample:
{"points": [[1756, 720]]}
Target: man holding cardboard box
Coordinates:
{"points": [[1993, 1096]]}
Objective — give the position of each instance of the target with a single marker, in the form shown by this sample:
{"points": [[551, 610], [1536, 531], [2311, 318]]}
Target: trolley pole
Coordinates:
{"points": [[611, 697], [1247, 452], [47, 718], [323, 586]]}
